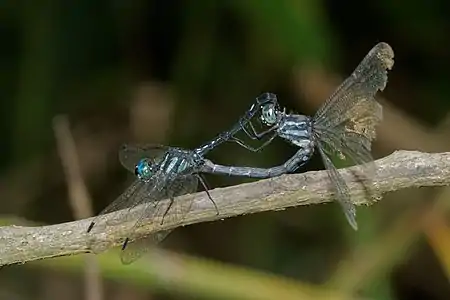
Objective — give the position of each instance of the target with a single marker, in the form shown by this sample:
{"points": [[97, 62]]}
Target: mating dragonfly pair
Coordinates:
{"points": [[343, 126]]}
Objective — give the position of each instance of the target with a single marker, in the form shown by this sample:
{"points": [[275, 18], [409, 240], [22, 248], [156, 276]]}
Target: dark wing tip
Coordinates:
{"points": [[384, 53]]}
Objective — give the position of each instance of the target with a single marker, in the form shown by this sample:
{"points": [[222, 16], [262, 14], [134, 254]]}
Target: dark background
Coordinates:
{"points": [[178, 73]]}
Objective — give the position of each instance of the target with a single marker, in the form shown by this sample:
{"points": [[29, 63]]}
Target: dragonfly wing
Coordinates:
{"points": [[346, 123], [369, 77], [352, 137], [138, 193], [128, 199], [340, 187], [130, 155], [184, 184], [351, 142], [172, 211], [134, 250]]}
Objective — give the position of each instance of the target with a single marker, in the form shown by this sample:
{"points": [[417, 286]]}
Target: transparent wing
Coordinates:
{"points": [[132, 251], [129, 155], [161, 211], [353, 139], [369, 77], [346, 123], [341, 189], [128, 199], [184, 184], [139, 192]]}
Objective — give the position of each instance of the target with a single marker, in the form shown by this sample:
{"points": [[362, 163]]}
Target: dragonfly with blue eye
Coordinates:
{"points": [[344, 126], [164, 173]]}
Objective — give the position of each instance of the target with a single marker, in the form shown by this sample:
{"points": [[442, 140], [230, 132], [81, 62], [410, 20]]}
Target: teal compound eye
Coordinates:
{"points": [[144, 169]]}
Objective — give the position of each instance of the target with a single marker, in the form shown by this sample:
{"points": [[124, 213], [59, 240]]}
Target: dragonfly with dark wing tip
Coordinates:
{"points": [[164, 173], [344, 126]]}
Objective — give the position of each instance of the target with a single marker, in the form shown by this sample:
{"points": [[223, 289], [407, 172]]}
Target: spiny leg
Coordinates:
{"points": [[243, 144], [260, 135], [253, 149], [205, 187], [167, 210], [253, 133]]}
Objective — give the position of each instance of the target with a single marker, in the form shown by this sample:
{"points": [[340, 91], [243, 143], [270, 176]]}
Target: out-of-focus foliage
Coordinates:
{"points": [[178, 73]]}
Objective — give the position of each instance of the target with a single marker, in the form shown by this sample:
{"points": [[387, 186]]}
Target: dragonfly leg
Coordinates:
{"points": [[253, 133], [205, 187], [243, 144], [167, 210], [259, 135], [267, 142], [254, 149], [245, 129]]}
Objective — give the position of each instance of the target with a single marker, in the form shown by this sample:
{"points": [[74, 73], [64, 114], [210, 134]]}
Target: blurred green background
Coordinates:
{"points": [[178, 73]]}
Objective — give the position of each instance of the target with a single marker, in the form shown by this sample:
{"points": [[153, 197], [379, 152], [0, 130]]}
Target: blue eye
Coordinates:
{"points": [[143, 169]]}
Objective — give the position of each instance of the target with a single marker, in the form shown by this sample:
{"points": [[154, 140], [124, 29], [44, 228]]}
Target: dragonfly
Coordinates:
{"points": [[343, 127], [164, 172]]}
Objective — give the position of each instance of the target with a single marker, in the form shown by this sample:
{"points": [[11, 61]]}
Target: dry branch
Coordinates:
{"points": [[400, 170]]}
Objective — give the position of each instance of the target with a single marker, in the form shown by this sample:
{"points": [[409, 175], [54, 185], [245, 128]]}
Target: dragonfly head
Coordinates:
{"points": [[144, 169], [270, 114]]}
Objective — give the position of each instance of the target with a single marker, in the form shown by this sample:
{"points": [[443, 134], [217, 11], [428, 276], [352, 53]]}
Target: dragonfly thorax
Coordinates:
{"points": [[175, 161], [297, 130], [179, 161]]}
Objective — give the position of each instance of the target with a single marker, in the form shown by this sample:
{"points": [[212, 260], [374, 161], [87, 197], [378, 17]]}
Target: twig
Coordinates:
{"points": [[400, 170], [79, 199]]}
